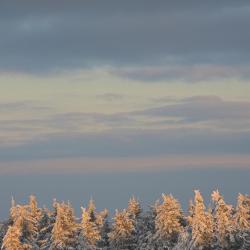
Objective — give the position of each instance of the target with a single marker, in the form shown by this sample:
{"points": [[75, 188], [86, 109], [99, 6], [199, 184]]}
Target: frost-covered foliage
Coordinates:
{"points": [[23, 231], [134, 207], [223, 220], [64, 230], [12, 238], [168, 221], [242, 216], [122, 235], [201, 222], [90, 230], [94, 227], [242, 221], [163, 227]]}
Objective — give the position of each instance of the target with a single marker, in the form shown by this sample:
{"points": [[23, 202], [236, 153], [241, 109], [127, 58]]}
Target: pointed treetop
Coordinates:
{"points": [[134, 207], [13, 202], [216, 196], [198, 200], [91, 205]]}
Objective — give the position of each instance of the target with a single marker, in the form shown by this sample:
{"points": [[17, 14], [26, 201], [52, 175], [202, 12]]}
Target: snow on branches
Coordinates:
{"points": [[164, 226]]}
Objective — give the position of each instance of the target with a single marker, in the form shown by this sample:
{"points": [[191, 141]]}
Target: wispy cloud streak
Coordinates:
{"points": [[131, 164]]}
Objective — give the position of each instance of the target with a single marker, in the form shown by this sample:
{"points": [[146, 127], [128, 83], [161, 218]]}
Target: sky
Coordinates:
{"points": [[116, 88]]}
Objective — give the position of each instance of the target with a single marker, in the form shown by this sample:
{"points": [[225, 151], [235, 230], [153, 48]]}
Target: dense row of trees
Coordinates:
{"points": [[164, 226]]}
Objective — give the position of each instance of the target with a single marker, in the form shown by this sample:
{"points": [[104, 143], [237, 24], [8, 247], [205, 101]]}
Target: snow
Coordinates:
{"points": [[163, 226]]}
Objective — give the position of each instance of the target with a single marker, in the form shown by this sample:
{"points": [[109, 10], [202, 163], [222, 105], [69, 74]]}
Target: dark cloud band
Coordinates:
{"points": [[42, 36]]}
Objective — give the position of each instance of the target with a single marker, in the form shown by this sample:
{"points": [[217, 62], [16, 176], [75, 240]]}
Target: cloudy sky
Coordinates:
{"points": [[123, 86]]}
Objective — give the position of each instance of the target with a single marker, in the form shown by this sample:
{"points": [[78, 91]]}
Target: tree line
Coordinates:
{"points": [[163, 226]]}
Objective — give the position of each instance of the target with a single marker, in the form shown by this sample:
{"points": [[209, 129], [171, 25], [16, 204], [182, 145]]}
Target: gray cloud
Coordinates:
{"points": [[21, 131], [110, 97], [195, 124], [131, 143], [203, 109], [46, 36], [22, 106], [76, 120], [191, 73], [195, 112], [206, 109]]}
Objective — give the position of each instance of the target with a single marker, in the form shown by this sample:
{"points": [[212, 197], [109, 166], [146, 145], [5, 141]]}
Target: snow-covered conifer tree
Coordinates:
{"points": [[134, 208], [46, 224], [190, 211], [184, 241], [26, 218], [242, 216], [90, 231], [103, 225], [100, 217], [201, 223], [23, 218], [35, 211], [146, 229], [223, 222], [168, 220], [219, 227], [11, 240], [64, 230], [122, 233], [242, 221], [91, 209], [94, 226], [31, 220], [14, 211]]}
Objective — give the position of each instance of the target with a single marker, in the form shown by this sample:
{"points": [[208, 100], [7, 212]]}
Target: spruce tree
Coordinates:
{"points": [[168, 220], [35, 211], [94, 226], [91, 209], [90, 231], [122, 234], [223, 221], [32, 218], [201, 223], [24, 217], [134, 208], [104, 228], [12, 239], [242, 221], [65, 228], [146, 226], [224, 227], [242, 216], [45, 229]]}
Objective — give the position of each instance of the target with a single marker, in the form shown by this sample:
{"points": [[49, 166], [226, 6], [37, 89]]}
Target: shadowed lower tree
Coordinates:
{"points": [[134, 210], [242, 216], [103, 225], [46, 225], [242, 220], [122, 235]]}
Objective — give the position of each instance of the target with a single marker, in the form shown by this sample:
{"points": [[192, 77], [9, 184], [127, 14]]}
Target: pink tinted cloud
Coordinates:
{"points": [[124, 164]]}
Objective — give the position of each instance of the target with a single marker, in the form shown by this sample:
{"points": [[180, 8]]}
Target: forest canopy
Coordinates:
{"points": [[163, 226]]}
